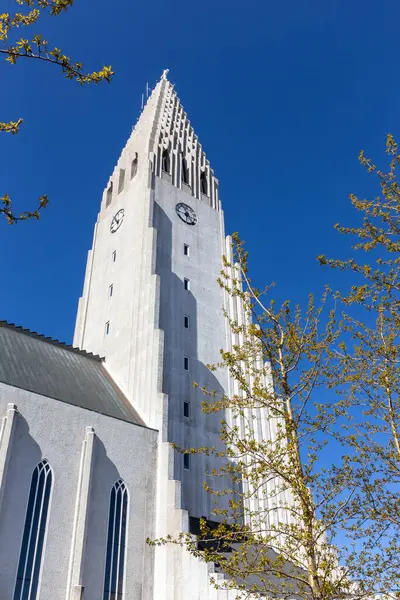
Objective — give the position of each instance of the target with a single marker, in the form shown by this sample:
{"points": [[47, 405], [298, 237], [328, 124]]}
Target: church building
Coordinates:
{"points": [[88, 470]]}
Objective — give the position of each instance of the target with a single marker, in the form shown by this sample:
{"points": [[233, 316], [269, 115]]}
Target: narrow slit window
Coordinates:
{"points": [[114, 256], [134, 166], [166, 161], [109, 194], [107, 328], [186, 284], [116, 543], [185, 171], [186, 249], [30, 559], [186, 363], [186, 322], [186, 461], [121, 180], [186, 409], [110, 290], [204, 183]]}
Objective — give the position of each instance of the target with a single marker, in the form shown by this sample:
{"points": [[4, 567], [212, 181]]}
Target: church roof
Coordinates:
{"points": [[48, 367]]}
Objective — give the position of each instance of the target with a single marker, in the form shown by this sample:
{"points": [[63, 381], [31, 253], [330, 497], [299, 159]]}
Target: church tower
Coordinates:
{"points": [[151, 304]]}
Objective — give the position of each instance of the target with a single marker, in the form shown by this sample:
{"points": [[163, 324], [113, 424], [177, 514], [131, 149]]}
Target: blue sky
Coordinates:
{"points": [[283, 95]]}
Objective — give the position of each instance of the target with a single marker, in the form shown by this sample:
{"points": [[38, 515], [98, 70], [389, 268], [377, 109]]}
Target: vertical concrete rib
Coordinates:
{"points": [[6, 439], [75, 582]]}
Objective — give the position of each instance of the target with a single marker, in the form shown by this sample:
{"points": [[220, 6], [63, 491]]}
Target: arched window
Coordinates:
{"points": [[116, 540], [166, 161], [185, 171], [204, 183], [30, 558]]}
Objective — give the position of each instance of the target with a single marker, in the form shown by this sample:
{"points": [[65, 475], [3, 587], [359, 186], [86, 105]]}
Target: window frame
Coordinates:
{"points": [[204, 184], [109, 194], [121, 180], [27, 584], [117, 535], [134, 166], [166, 161]]}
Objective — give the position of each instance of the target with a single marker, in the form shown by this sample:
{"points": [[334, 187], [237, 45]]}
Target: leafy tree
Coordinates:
{"points": [[287, 502], [368, 370], [36, 47], [309, 468]]}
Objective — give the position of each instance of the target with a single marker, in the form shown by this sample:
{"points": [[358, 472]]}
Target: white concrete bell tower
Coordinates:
{"points": [[151, 304]]}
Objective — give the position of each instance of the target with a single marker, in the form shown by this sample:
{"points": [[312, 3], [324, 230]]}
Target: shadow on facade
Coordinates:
{"points": [[104, 475], [199, 429], [25, 456]]}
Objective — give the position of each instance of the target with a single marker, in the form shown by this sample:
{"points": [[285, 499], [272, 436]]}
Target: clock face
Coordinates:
{"points": [[117, 220], [186, 213]]}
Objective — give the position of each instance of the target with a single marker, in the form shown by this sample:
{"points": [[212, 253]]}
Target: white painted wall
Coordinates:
{"points": [[47, 428], [147, 341]]}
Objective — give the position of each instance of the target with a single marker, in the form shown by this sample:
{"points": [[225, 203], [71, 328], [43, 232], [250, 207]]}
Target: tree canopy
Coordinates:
{"points": [[36, 47], [311, 426]]}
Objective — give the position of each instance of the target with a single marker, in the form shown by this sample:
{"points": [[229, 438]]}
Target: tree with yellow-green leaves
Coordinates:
{"points": [[310, 428], [367, 374], [287, 500], [35, 47]]}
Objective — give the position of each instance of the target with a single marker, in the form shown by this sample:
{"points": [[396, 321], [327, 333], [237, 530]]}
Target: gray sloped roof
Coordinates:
{"points": [[50, 368]]}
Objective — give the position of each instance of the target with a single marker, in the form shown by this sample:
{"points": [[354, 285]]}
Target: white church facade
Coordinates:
{"points": [[87, 467]]}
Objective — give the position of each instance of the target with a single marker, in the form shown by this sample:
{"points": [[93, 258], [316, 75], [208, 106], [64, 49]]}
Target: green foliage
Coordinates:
{"points": [[311, 430], [367, 376], [37, 47], [280, 509]]}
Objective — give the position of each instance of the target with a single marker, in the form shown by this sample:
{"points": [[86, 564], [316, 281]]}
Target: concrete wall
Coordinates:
{"points": [[46, 428], [201, 343], [147, 341]]}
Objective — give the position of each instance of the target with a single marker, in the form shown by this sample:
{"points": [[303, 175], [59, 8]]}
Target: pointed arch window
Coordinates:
{"points": [[204, 183], [185, 171], [30, 559], [166, 161], [116, 541]]}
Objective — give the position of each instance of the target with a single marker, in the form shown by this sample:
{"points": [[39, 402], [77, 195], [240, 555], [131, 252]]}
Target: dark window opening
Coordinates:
{"points": [[114, 256], [186, 461], [166, 161], [109, 194], [134, 167], [186, 363], [34, 533], [121, 181], [185, 171], [204, 183], [186, 321], [186, 409], [186, 249], [116, 543], [186, 284], [107, 328]]}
